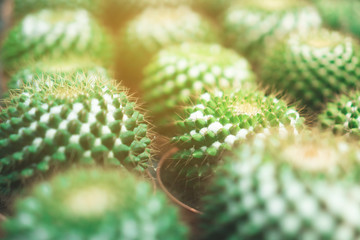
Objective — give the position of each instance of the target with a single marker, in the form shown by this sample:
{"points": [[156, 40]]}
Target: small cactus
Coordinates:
{"points": [[56, 123], [298, 187], [94, 204], [313, 68], [253, 26], [216, 123], [179, 74], [50, 34], [342, 116]]}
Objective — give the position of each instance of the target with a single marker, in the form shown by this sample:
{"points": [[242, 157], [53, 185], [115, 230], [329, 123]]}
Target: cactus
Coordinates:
{"points": [[342, 116], [55, 123], [313, 68], [341, 15], [95, 204], [218, 121], [55, 35], [300, 187], [156, 28], [74, 68], [178, 74], [253, 26]]}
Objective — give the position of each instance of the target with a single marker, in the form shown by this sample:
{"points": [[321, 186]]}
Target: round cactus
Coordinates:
{"points": [[156, 28], [73, 68], [56, 123], [218, 121], [94, 204], [55, 34], [24, 7], [313, 68], [341, 15], [298, 187], [342, 116], [254, 25], [180, 73]]}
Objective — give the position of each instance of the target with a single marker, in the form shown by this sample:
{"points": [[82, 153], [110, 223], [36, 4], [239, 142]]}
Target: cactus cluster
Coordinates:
{"points": [[94, 204], [299, 187], [55, 34], [56, 123], [314, 67], [342, 115], [254, 25], [179, 74]]}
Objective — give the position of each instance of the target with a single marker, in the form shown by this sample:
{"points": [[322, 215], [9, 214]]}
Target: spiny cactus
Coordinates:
{"points": [[342, 115], [24, 7], [178, 74], [341, 15], [156, 28], [56, 123], [55, 34], [254, 25], [313, 68], [302, 187], [52, 68], [94, 204], [217, 121]]}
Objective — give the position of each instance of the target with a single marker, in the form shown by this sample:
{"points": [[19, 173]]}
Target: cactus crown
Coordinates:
{"points": [[92, 203]]}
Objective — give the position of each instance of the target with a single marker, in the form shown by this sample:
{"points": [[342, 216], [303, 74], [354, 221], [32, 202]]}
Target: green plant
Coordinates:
{"points": [[313, 68], [156, 28], [253, 26], [342, 115], [213, 8], [179, 74], [56, 123], [55, 34], [298, 187], [94, 204]]}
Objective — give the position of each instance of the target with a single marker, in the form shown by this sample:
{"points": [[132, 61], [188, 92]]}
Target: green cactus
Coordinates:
{"points": [[341, 15], [253, 26], [24, 7], [178, 74], [75, 68], [218, 121], [55, 34], [298, 187], [342, 116], [156, 28], [95, 204], [314, 68], [214, 124], [56, 123]]}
